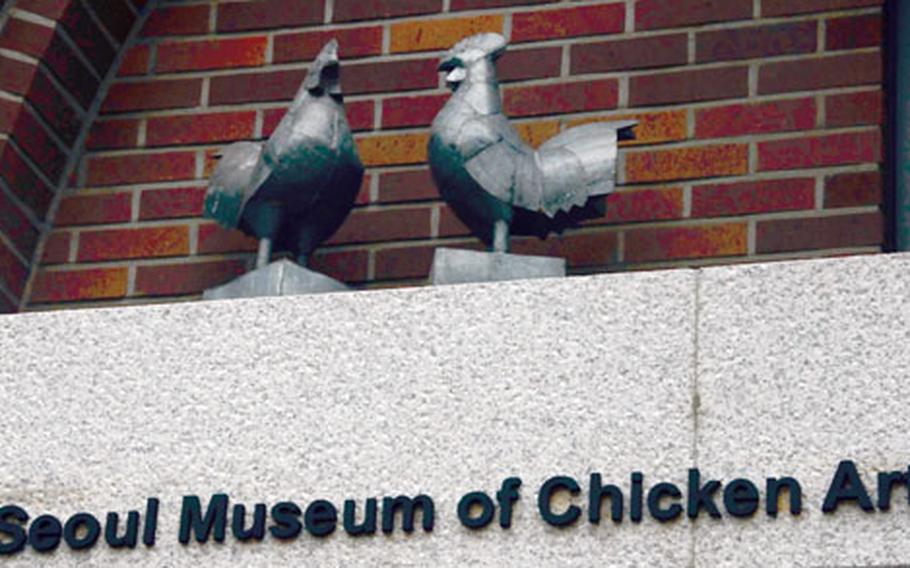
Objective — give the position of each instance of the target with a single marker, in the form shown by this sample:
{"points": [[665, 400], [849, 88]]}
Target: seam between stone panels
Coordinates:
{"points": [[78, 149], [696, 397]]}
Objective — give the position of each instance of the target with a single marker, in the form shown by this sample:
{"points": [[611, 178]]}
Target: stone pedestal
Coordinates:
{"points": [[281, 278], [459, 266]]}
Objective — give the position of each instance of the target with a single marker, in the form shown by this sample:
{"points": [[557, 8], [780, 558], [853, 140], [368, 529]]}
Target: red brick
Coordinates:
{"points": [[689, 86], [110, 134], [135, 62], [742, 119], [359, 115], [304, 46], [853, 190], [26, 37], [687, 163], [177, 20], [820, 73], [676, 243], [13, 273], [150, 242], [854, 109], [211, 54], [16, 76], [532, 63], [757, 41], [152, 95], [642, 205], [398, 112], [790, 7], [762, 196], [171, 203], [72, 73], [141, 168], [51, 9], [350, 10], [214, 239], [345, 266], [88, 36], [54, 108], [843, 231], [568, 22], [390, 76], [450, 225], [653, 14], [562, 98], [592, 249], [7, 306], [94, 209], [20, 178], [76, 285], [9, 113], [409, 185], [57, 248], [255, 87], [267, 14], [16, 226], [820, 151], [475, 4], [200, 128], [854, 32], [38, 145], [365, 226], [404, 262], [116, 16], [639, 53], [186, 278]]}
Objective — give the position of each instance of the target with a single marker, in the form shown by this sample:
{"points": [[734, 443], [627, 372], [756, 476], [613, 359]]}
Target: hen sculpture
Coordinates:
{"points": [[294, 190], [496, 183]]}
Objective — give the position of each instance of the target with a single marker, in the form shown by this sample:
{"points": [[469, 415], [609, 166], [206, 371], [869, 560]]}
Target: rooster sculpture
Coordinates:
{"points": [[496, 183], [294, 190]]}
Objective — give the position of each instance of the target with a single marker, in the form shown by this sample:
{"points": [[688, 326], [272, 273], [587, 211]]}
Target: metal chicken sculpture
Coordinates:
{"points": [[496, 183], [294, 190]]}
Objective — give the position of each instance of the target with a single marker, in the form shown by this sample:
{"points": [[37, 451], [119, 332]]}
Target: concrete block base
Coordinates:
{"points": [[459, 266], [281, 278]]}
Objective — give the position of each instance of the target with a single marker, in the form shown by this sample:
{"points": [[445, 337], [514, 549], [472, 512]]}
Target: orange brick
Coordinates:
{"points": [[674, 243], [653, 127], [426, 35], [75, 285], [687, 163], [393, 149], [148, 242], [536, 133]]}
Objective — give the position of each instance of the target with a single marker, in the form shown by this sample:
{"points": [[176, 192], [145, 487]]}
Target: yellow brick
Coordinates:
{"points": [[393, 149], [687, 163], [426, 35], [536, 133], [653, 127]]}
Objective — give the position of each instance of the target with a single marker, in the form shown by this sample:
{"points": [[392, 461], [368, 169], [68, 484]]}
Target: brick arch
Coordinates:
{"points": [[54, 56], [760, 134]]}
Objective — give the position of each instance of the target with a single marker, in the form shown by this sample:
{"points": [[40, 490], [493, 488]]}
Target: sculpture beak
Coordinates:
{"points": [[456, 75]]}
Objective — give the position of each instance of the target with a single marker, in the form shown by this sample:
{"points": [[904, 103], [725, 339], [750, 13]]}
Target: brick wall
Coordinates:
{"points": [[54, 55], [759, 138]]}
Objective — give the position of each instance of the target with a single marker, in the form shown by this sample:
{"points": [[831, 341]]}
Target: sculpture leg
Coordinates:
{"points": [[265, 252], [500, 236]]}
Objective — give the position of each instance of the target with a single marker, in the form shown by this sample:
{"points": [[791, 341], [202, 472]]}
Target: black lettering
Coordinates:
{"points": [[215, 519], [545, 495], [701, 496], [656, 494], [636, 497], [506, 496], [597, 493], [71, 531], [287, 525], [151, 522], [741, 498], [44, 534], [793, 488], [886, 483], [368, 526], [238, 520], [15, 532], [407, 506], [129, 538], [847, 486], [472, 500], [320, 518]]}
